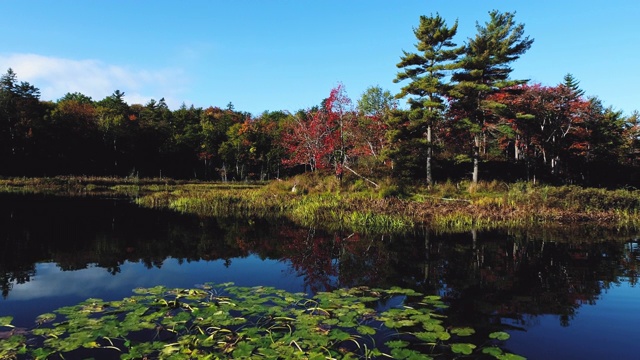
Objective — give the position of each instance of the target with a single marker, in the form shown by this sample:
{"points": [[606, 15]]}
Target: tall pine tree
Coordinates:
{"points": [[484, 70], [426, 71]]}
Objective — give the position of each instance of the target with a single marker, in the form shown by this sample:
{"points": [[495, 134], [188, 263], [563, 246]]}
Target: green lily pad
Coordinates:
{"points": [[243, 350], [366, 330], [429, 337], [6, 321], [499, 335], [466, 331], [45, 318], [509, 356], [465, 349], [493, 351], [395, 344], [224, 321], [409, 354]]}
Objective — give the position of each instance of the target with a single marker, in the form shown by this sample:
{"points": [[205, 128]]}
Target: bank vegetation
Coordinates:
{"points": [[323, 201]]}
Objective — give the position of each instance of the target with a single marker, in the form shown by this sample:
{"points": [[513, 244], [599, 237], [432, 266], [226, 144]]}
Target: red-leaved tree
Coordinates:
{"points": [[548, 123], [322, 138], [333, 136]]}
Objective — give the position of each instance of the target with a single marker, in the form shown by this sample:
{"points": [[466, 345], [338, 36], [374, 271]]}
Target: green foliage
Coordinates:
{"points": [[5, 320], [483, 70], [464, 349], [224, 321], [376, 101], [426, 90], [500, 335], [572, 83], [390, 190]]}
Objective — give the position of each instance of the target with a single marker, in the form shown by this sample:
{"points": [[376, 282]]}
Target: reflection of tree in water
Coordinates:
{"points": [[630, 261], [80, 233], [489, 278], [333, 260], [367, 260], [18, 276], [17, 258], [312, 257]]}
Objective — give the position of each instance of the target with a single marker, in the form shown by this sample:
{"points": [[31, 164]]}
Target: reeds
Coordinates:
{"points": [[321, 202]]}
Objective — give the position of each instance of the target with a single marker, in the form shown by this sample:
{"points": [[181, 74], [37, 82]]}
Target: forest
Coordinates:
{"points": [[464, 118]]}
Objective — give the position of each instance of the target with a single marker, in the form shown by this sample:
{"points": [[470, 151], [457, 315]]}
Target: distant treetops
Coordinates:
{"points": [[462, 108]]}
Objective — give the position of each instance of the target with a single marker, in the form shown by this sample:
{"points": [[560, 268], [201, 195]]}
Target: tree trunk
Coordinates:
{"points": [[476, 158], [429, 154]]}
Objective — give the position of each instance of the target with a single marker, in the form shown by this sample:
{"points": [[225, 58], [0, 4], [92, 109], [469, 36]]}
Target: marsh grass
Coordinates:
{"points": [[130, 187], [317, 200]]}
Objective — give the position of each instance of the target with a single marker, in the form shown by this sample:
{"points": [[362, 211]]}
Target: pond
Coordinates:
{"points": [[563, 293]]}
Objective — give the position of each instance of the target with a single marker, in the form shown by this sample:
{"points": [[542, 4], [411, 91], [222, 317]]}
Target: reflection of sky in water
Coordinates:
{"points": [[51, 288], [614, 316]]}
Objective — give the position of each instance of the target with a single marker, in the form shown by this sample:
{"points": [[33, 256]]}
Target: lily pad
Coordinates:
{"points": [[499, 335], [45, 318], [224, 321], [366, 330], [464, 349], [509, 356], [466, 331], [6, 321]]}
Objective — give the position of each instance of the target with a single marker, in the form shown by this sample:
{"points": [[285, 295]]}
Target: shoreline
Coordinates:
{"points": [[445, 207]]}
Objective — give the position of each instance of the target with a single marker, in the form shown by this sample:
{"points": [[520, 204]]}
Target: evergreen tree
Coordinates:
{"points": [[573, 84], [20, 111], [484, 70], [426, 89], [606, 132], [632, 138], [114, 123]]}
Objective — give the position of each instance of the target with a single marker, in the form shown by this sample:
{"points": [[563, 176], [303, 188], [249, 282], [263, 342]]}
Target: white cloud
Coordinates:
{"points": [[58, 76]]}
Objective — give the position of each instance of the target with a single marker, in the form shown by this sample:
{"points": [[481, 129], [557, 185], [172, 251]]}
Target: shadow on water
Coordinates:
{"points": [[498, 280]]}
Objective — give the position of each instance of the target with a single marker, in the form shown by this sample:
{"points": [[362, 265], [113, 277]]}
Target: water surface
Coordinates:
{"points": [[560, 294]]}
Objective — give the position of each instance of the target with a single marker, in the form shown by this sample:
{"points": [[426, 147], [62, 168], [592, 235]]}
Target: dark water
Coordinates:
{"points": [[564, 294]]}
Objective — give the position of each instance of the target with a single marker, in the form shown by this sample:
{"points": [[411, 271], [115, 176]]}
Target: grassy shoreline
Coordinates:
{"points": [[321, 201]]}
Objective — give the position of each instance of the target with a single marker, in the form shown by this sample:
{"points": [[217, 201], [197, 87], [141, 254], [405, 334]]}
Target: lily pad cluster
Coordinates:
{"points": [[225, 321]]}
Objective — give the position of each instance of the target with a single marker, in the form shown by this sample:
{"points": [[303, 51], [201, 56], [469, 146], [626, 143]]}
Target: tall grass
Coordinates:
{"points": [[321, 201]]}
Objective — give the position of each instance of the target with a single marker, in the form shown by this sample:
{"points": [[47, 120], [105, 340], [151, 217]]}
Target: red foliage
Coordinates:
{"points": [[306, 141], [333, 135], [312, 256], [318, 137], [548, 122]]}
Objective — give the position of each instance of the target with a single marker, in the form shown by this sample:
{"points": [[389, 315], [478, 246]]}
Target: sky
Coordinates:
{"points": [[268, 55]]}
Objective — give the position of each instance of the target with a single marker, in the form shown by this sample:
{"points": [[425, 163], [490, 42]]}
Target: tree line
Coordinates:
{"points": [[465, 117]]}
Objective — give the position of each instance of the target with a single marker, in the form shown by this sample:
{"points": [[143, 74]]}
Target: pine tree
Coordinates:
{"points": [[484, 70], [19, 109], [573, 84], [427, 89]]}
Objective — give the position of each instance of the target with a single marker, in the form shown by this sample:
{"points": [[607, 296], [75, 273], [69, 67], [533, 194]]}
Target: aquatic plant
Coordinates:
{"points": [[224, 321]]}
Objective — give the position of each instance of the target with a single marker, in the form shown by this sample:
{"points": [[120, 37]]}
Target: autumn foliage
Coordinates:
{"points": [[333, 136], [544, 132]]}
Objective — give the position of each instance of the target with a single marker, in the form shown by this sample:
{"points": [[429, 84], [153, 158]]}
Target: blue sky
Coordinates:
{"points": [[287, 55]]}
